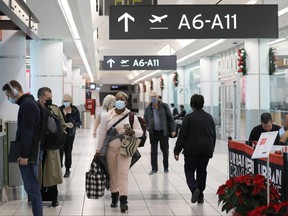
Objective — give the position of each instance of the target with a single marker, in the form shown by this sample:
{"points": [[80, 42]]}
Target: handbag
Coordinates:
{"points": [[95, 181], [129, 145], [136, 156]]}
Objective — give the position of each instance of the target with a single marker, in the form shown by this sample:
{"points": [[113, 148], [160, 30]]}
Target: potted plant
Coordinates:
{"points": [[245, 193], [279, 209]]}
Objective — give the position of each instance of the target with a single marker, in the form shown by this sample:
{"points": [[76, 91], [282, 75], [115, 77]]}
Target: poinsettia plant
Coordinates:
{"points": [[245, 193], [270, 210], [242, 61]]}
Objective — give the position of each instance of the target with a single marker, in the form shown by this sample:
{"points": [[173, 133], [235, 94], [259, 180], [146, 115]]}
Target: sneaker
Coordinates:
{"points": [[152, 172], [201, 198], [195, 195], [67, 174], [166, 171]]}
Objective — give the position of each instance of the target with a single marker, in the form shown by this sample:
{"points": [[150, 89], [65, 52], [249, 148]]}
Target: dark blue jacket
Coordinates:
{"points": [[28, 127], [73, 117], [167, 122]]}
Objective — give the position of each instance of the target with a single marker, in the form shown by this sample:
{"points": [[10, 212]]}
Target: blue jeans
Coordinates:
{"points": [[29, 175]]}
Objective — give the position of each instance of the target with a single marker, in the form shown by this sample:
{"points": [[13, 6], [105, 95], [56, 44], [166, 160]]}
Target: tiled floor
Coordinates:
{"points": [[160, 194]]}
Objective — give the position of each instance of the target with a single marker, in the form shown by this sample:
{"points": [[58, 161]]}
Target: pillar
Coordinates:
{"points": [[77, 82], [13, 67], [257, 81], [209, 85], [68, 77], [47, 67], [180, 88]]}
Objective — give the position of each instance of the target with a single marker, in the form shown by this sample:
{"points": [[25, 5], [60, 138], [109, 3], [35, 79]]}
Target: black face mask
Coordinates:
{"points": [[48, 102]]}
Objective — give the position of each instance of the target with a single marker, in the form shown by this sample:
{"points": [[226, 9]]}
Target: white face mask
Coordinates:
{"points": [[119, 104], [12, 100], [67, 104]]}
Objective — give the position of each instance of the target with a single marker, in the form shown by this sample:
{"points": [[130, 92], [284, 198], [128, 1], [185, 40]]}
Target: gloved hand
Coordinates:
{"points": [[69, 125]]}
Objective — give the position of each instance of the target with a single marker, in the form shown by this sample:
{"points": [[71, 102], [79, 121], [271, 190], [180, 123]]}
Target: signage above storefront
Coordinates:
{"points": [[139, 63], [193, 21]]}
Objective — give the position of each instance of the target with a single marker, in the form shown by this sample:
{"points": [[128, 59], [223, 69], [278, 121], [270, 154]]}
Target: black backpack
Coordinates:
{"points": [[52, 136], [143, 126]]}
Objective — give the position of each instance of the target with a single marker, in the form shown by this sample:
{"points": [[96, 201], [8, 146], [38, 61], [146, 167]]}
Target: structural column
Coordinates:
{"points": [[68, 84], [79, 94], [257, 81], [13, 67], [47, 67], [209, 85]]}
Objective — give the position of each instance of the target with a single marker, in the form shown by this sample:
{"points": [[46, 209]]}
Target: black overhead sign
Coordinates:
{"points": [[139, 63], [193, 21]]}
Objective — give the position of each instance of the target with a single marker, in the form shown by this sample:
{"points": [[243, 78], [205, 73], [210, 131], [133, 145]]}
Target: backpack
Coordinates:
{"points": [[52, 136], [143, 126]]}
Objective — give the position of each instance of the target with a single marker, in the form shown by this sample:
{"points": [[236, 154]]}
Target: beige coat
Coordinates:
{"points": [[50, 173]]}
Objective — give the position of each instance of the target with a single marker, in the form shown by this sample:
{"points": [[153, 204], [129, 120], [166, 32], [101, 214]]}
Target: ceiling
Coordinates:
{"points": [[94, 35]]}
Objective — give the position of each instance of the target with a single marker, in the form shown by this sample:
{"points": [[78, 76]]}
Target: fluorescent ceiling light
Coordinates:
{"points": [[277, 41], [201, 50], [65, 8], [144, 77], [283, 11]]}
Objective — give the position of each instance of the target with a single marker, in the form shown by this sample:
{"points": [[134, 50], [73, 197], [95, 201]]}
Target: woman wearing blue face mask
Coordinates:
{"points": [[118, 164], [72, 118]]}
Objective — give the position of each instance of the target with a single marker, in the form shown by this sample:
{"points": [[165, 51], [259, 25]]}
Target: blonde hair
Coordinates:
{"points": [[108, 101], [67, 97]]}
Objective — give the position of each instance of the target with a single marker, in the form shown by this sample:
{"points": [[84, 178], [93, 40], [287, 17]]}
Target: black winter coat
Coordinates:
{"points": [[197, 135], [28, 127]]}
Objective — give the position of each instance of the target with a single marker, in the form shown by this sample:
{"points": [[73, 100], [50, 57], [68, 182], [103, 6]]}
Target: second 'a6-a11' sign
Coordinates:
{"points": [[193, 21], [139, 63]]}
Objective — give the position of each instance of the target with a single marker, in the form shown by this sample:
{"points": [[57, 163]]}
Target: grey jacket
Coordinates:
{"points": [[167, 122]]}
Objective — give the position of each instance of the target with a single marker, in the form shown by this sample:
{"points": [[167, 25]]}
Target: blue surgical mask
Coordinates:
{"points": [[154, 100], [119, 104], [67, 103], [12, 100]]}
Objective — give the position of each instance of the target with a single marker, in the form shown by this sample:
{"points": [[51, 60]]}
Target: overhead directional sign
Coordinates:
{"points": [[193, 21], [139, 63]]}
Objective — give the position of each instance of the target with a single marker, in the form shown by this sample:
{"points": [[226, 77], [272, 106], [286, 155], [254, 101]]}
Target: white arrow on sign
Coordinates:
{"points": [[126, 16], [110, 62]]}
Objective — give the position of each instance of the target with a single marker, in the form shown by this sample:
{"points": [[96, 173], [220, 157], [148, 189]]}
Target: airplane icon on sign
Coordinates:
{"points": [[124, 61], [157, 18]]}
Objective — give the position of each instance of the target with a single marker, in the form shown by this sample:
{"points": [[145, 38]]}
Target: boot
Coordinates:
{"points": [[115, 197], [123, 203]]}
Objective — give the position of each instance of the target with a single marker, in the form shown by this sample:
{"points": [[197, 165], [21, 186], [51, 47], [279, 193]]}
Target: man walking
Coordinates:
{"points": [[160, 123], [197, 139], [27, 135]]}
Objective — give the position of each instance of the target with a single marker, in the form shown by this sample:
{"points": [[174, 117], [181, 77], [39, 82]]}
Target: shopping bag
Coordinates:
{"points": [[95, 181], [129, 145]]}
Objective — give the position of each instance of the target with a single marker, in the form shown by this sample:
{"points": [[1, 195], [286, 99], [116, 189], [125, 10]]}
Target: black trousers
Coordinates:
{"points": [[198, 164], [155, 137], [67, 149]]}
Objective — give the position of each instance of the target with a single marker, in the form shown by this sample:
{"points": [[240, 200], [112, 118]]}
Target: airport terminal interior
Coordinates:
{"points": [[233, 52]]}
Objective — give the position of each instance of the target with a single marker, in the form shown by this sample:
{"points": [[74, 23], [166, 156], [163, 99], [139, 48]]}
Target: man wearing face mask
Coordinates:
{"points": [[160, 123], [27, 135], [72, 118], [50, 169]]}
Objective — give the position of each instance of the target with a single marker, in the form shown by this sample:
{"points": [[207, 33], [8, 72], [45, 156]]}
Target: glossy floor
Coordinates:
{"points": [[159, 194]]}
